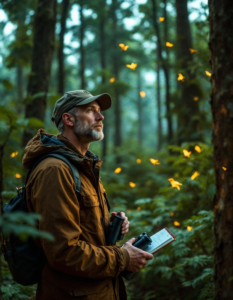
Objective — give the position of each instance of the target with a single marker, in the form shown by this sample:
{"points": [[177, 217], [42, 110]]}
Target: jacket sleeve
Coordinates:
{"points": [[53, 196]]}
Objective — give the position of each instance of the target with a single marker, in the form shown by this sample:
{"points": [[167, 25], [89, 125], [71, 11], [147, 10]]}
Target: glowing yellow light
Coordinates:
{"points": [[196, 98], [192, 50], [132, 66], [132, 184], [176, 223], [224, 168], [198, 149], [169, 45], [161, 19], [123, 47], [172, 214], [180, 77], [208, 73], [175, 184], [142, 94], [138, 160], [128, 210], [189, 228], [112, 79], [16, 153], [118, 170], [187, 153], [195, 174], [138, 208], [13, 154], [17, 175], [154, 161]]}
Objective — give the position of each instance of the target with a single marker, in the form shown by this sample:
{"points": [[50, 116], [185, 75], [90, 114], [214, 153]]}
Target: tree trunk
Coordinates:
{"points": [[102, 18], [189, 124], [140, 123], [167, 77], [118, 121], [164, 65], [61, 72], [221, 45], [44, 26], [159, 129], [20, 88], [82, 52], [19, 77]]}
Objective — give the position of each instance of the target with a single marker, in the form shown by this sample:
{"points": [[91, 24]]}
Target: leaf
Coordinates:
{"points": [[35, 123], [7, 84]]}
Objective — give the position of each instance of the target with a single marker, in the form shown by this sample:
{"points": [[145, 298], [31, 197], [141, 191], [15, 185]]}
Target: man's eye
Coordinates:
{"points": [[90, 109]]}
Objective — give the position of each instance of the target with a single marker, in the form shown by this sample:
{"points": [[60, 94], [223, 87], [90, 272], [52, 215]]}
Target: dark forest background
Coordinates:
{"points": [[152, 57]]}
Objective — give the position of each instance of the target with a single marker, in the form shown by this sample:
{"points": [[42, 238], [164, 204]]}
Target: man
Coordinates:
{"points": [[80, 264]]}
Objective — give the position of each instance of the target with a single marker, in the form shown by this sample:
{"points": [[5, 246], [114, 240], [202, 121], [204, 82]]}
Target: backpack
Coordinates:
{"points": [[24, 258]]}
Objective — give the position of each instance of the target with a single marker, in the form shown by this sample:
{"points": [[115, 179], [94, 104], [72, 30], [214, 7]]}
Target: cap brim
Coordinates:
{"points": [[104, 101]]}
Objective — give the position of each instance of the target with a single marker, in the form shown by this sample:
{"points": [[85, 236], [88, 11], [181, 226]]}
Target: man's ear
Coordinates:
{"points": [[68, 119]]}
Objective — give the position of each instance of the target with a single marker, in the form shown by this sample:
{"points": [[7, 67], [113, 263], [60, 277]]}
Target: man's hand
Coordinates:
{"points": [[138, 257], [125, 224]]}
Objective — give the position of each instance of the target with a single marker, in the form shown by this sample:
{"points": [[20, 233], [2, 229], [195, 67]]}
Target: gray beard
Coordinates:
{"points": [[86, 133]]}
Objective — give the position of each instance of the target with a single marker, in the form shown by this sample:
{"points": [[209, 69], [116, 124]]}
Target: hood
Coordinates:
{"points": [[44, 143]]}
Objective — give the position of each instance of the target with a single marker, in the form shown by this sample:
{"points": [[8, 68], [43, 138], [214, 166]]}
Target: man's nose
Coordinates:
{"points": [[99, 117]]}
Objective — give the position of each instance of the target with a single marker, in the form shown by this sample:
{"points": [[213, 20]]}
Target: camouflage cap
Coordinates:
{"points": [[76, 98]]}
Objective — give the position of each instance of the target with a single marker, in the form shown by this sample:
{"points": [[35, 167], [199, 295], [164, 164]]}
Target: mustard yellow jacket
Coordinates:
{"points": [[80, 264]]}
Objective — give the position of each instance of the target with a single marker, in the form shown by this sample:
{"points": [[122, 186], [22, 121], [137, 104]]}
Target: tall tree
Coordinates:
{"points": [[43, 46], [102, 55], [139, 102], [118, 120], [164, 65], [158, 102], [81, 47], [188, 109], [61, 71], [221, 45]]}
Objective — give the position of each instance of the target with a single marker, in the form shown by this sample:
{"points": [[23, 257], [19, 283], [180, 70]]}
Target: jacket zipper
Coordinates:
{"points": [[103, 222]]}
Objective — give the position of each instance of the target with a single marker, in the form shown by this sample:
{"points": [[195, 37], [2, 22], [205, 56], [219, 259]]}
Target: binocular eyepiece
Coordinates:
{"points": [[114, 230]]}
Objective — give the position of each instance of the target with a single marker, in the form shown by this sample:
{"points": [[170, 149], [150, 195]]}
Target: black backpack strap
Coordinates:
{"points": [[74, 170]]}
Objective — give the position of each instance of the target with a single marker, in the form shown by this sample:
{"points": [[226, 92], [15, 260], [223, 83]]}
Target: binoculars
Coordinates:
{"points": [[114, 230], [141, 242]]}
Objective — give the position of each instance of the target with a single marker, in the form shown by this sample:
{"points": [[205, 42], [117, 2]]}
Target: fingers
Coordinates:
{"points": [[125, 224], [131, 241], [148, 256]]}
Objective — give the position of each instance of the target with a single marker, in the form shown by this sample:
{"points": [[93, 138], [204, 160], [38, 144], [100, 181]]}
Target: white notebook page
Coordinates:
{"points": [[159, 240]]}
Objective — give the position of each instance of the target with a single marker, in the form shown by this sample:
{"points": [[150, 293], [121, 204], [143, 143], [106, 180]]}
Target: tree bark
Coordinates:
{"points": [[159, 129], [118, 121], [82, 52], [19, 69], [140, 123], [164, 66], [221, 45], [167, 76], [61, 72], [44, 26], [102, 18], [189, 124]]}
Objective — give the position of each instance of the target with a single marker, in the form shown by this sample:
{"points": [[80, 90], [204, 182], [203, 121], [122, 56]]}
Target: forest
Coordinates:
{"points": [[167, 150]]}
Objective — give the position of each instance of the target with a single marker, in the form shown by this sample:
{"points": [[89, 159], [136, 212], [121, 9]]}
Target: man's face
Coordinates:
{"points": [[88, 122]]}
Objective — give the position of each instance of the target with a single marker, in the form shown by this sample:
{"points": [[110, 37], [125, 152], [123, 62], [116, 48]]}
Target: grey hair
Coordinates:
{"points": [[60, 125]]}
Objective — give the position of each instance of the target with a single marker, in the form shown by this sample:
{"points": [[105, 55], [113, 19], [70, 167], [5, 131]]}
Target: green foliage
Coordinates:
{"points": [[13, 291], [23, 225], [185, 266]]}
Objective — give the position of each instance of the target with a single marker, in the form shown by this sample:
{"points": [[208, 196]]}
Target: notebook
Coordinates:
{"points": [[160, 240]]}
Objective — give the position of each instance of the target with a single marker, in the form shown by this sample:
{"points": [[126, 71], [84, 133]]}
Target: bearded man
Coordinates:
{"points": [[79, 263]]}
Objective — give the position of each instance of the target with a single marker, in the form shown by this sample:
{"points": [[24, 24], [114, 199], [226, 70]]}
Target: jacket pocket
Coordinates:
{"points": [[90, 214]]}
